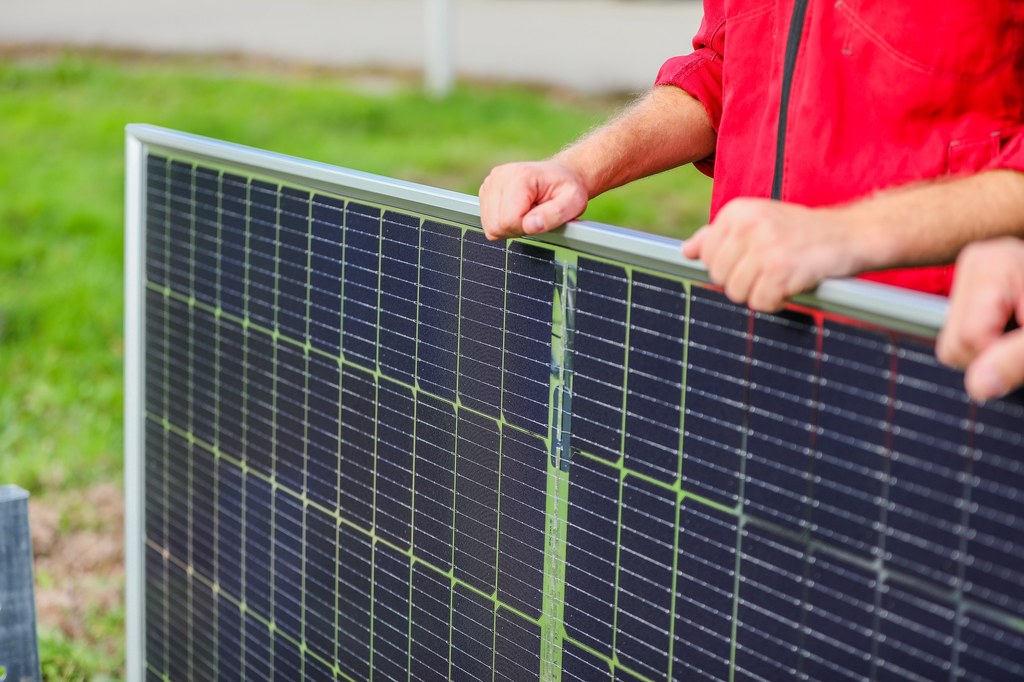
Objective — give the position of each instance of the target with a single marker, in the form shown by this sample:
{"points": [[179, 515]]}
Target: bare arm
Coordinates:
{"points": [[664, 129], [763, 252]]}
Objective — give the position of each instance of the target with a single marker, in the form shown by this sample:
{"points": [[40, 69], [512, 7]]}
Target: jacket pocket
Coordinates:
{"points": [[959, 39]]}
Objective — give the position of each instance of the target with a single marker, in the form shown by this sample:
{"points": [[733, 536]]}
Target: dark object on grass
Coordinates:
{"points": [[19, 653]]}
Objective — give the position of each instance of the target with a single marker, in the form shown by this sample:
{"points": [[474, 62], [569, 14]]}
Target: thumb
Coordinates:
{"points": [[999, 369], [693, 246], [549, 215]]}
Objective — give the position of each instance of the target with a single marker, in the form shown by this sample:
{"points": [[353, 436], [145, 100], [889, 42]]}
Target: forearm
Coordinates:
{"points": [[664, 129], [929, 223]]}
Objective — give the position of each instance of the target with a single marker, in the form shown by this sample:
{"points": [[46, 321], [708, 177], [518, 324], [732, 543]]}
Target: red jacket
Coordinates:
{"points": [[872, 94]]}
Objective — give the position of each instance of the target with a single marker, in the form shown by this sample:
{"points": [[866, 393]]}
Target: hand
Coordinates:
{"points": [[763, 252], [988, 292], [530, 198]]}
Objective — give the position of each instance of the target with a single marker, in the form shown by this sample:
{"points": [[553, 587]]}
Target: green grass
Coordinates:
{"points": [[61, 193]]}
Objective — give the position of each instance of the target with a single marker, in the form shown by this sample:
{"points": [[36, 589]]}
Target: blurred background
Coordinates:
{"points": [[431, 91]]}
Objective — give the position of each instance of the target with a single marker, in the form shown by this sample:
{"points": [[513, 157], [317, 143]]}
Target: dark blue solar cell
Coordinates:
{"points": [[647, 545], [230, 389], [287, 659], [206, 276], [481, 327], [290, 413], [599, 358], [326, 247], [768, 620], [179, 456], [523, 505], [852, 442], [390, 613], [434, 487], [529, 296], [257, 650], [590, 553], [430, 629], [315, 670], [258, 532], [321, 584], [716, 384], [995, 571], [781, 418], [204, 376], [288, 563], [839, 619], [579, 665], [156, 478], [622, 675], [362, 284], [156, 353], [472, 636], [177, 627], [705, 592], [399, 282], [261, 270], [929, 457], [179, 357], [438, 340], [322, 430], [516, 648], [476, 501], [156, 219], [914, 636], [203, 630], [203, 512], [992, 651], [293, 264], [180, 209], [156, 610], [358, 434], [355, 569], [259, 401], [654, 382], [233, 243], [395, 422], [230, 493], [229, 641]]}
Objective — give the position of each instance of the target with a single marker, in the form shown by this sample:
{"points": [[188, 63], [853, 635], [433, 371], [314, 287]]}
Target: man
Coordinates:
{"points": [[988, 293], [844, 137]]}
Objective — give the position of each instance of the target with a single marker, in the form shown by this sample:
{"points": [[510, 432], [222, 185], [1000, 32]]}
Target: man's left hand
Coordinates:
{"points": [[762, 252]]}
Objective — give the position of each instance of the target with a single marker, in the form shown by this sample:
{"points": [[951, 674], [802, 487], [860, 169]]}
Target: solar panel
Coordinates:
{"points": [[365, 442]]}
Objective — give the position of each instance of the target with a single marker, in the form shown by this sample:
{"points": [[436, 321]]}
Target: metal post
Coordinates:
{"points": [[19, 651], [439, 69]]}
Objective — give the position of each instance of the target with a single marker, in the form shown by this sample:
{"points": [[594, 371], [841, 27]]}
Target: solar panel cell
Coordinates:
{"points": [[434, 482], [234, 212], [326, 255], [288, 563], [715, 397], [320, 569], [156, 219], [290, 414], [482, 323], [358, 446], [323, 430], [293, 264], [476, 501], [206, 240], [355, 562], [361, 284], [399, 281], [391, 576], [438, 340], [230, 512], [430, 631], [258, 534], [516, 648], [600, 358], [180, 209], [262, 253], [396, 419], [472, 636], [530, 284], [654, 382]]}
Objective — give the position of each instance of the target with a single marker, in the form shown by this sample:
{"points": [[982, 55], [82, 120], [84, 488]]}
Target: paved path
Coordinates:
{"points": [[589, 45]]}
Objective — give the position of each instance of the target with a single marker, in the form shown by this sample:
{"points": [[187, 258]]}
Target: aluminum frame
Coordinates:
{"points": [[889, 307]]}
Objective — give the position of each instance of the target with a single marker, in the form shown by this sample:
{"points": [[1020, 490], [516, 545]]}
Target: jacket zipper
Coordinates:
{"points": [[796, 32]]}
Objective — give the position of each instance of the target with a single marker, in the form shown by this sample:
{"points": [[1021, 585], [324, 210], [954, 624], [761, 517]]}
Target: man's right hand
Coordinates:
{"points": [[530, 198]]}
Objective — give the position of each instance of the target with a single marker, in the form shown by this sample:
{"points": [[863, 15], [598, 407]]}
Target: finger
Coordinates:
{"points": [[722, 256], [489, 209], [553, 213], [516, 200], [741, 280], [693, 246], [767, 292], [999, 369], [977, 318]]}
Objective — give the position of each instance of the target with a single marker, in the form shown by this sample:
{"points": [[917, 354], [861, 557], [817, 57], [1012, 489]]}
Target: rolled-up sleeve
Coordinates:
{"points": [[700, 72], [1011, 152]]}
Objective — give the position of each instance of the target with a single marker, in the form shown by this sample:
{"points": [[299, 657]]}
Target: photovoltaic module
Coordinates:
{"points": [[366, 443]]}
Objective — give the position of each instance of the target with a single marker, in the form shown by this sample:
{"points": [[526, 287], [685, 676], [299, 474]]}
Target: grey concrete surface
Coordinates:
{"points": [[587, 45]]}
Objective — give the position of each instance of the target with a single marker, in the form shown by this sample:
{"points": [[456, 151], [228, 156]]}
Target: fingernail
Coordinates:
{"points": [[988, 385], [533, 223]]}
